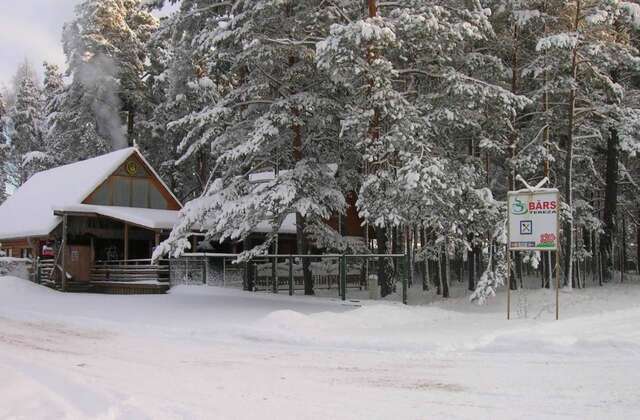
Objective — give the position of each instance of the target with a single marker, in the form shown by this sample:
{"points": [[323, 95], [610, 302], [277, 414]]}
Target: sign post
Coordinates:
{"points": [[532, 225]]}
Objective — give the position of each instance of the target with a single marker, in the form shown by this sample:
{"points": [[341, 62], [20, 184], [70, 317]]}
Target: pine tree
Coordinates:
{"points": [[267, 117], [53, 91], [179, 87], [106, 54], [27, 123], [583, 54], [420, 113], [403, 110], [4, 149]]}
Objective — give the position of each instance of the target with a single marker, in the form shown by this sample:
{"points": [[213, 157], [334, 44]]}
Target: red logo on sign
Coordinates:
{"points": [[547, 237]]}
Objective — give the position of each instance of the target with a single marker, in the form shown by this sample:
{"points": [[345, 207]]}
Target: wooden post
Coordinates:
{"points": [[290, 275], [126, 242], [63, 251]]}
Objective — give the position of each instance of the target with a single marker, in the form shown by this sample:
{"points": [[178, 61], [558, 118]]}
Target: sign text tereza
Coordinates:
{"points": [[533, 220]]}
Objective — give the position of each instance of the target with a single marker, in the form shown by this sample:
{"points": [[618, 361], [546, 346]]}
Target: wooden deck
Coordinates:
{"points": [[111, 277], [130, 277]]}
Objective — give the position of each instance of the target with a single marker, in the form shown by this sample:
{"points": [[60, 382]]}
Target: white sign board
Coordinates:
{"points": [[533, 220]]}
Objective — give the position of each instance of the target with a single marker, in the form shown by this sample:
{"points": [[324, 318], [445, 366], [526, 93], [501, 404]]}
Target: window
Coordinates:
{"points": [[140, 193], [121, 191], [102, 196], [156, 200], [129, 191]]}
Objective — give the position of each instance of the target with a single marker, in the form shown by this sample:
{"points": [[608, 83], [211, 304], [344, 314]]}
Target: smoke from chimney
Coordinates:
{"points": [[99, 75]]}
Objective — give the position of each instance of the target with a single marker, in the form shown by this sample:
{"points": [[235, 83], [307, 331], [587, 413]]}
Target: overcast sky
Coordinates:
{"points": [[32, 29]]}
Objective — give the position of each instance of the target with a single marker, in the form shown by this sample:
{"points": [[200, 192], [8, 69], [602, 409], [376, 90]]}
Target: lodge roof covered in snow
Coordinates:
{"points": [[29, 212]]}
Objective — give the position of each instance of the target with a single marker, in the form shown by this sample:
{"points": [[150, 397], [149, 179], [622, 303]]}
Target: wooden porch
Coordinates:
{"points": [[93, 254], [121, 277]]}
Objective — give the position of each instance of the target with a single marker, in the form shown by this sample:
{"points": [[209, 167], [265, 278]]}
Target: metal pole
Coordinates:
{"points": [[558, 259], [204, 271], [508, 283], [557, 285], [343, 277], [274, 274], [290, 276], [406, 278]]}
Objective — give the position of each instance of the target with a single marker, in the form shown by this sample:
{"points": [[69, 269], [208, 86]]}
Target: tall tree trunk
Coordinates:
{"points": [[425, 262], [446, 274], [514, 142], [610, 204], [638, 246], [131, 127], [546, 255], [437, 265], [374, 134], [373, 8], [568, 173], [302, 242], [471, 265], [623, 246], [395, 241], [249, 278], [384, 265], [202, 169]]}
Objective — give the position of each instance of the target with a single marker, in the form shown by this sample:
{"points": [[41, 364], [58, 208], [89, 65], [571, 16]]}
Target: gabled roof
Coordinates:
{"points": [[29, 211]]}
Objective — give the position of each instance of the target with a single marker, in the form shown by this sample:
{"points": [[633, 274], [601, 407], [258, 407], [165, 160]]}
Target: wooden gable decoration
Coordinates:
{"points": [[134, 184]]}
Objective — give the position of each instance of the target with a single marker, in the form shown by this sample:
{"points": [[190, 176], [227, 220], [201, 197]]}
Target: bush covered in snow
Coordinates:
{"points": [[17, 267]]}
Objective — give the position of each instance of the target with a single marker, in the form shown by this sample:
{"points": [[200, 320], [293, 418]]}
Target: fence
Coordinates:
{"points": [[286, 273]]}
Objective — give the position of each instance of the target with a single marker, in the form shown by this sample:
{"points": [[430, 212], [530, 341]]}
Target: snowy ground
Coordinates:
{"points": [[225, 354]]}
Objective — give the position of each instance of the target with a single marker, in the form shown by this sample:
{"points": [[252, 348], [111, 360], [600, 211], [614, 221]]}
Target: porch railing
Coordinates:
{"points": [[130, 271]]}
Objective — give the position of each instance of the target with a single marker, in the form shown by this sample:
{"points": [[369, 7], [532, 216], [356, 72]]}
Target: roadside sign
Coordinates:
{"points": [[533, 220]]}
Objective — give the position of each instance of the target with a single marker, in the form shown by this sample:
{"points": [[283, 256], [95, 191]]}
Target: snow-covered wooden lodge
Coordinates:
{"points": [[96, 221], [93, 225]]}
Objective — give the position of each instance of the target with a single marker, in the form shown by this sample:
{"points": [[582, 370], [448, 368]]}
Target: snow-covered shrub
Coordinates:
{"points": [[16, 267]]}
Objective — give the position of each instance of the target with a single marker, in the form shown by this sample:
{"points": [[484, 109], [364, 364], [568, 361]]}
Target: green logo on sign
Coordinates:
{"points": [[518, 207]]}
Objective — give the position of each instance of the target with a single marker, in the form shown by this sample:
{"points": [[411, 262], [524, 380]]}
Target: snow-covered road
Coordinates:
{"points": [[224, 354]]}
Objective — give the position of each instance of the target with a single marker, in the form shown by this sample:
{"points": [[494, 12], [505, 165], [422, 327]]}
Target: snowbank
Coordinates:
{"points": [[206, 352]]}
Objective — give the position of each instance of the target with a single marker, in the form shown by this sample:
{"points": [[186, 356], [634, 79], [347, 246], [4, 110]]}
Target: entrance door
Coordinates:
{"points": [[78, 262]]}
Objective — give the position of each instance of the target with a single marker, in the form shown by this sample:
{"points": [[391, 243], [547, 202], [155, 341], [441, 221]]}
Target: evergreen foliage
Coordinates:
{"points": [[417, 115]]}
